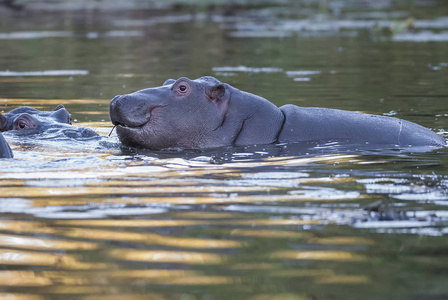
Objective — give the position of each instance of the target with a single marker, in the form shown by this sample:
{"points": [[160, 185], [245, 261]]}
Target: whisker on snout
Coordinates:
{"points": [[112, 130]]}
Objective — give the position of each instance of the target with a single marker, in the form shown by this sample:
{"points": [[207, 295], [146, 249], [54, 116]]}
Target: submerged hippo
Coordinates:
{"points": [[27, 120], [5, 150], [205, 113], [24, 121]]}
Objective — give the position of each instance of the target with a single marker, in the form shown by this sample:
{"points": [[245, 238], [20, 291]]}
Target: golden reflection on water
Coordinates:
{"points": [[188, 215], [155, 276], [23, 278], [131, 223], [343, 279], [153, 273], [76, 289], [181, 223], [319, 255], [152, 238], [202, 280], [60, 196], [167, 256], [218, 200], [15, 296], [12, 183], [298, 272], [276, 234], [256, 266], [79, 283], [17, 257], [337, 240], [18, 226], [43, 243], [262, 222], [90, 191]]}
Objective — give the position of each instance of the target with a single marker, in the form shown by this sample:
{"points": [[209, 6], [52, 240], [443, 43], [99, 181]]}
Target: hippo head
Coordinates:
{"points": [[27, 121], [201, 113]]}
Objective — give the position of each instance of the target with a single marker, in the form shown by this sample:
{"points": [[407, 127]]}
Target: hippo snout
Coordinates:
{"points": [[113, 110], [126, 111]]}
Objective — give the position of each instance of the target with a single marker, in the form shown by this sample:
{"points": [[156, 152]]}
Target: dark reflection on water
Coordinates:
{"points": [[261, 152], [91, 220]]}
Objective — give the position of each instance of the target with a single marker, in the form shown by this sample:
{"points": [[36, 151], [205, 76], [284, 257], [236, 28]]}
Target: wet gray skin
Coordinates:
{"points": [[30, 121], [206, 113], [5, 150]]}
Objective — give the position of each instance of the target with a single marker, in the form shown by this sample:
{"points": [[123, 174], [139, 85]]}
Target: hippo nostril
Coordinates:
{"points": [[115, 100]]}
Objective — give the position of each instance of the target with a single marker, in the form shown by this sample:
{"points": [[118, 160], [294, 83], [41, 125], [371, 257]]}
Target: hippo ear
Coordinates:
{"points": [[169, 81], [2, 123], [61, 115], [217, 93], [60, 106]]}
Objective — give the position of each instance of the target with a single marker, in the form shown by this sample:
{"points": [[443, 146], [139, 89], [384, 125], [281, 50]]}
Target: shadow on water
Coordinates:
{"points": [[260, 152]]}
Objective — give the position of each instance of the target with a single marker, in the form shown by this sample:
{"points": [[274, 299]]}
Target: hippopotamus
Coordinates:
{"points": [[26, 120], [5, 150], [206, 113]]}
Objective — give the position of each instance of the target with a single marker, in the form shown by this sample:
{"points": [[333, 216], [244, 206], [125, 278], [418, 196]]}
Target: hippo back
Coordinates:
{"points": [[324, 124]]}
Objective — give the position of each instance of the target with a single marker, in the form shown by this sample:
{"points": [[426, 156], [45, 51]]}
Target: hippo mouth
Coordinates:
{"points": [[122, 125], [129, 124], [129, 130]]}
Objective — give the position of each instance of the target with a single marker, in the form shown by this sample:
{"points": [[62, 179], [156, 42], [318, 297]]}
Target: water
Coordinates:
{"points": [[91, 220]]}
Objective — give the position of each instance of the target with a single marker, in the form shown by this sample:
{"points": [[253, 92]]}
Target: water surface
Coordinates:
{"points": [[92, 220]]}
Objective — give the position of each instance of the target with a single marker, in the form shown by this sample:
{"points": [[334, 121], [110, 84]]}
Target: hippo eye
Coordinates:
{"points": [[24, 123], [182, 88]]}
